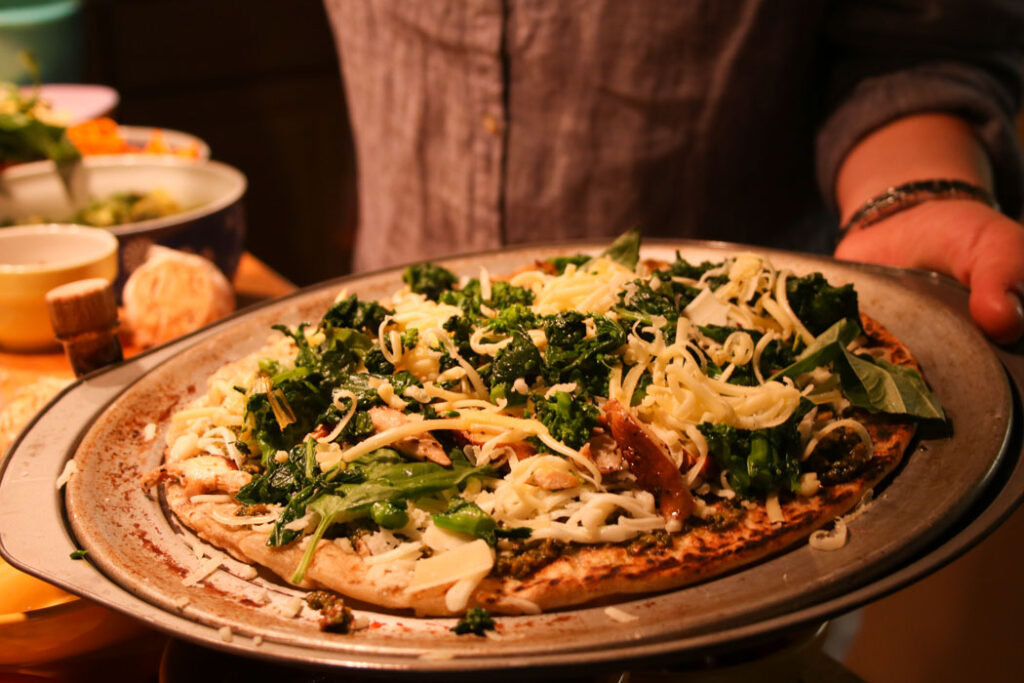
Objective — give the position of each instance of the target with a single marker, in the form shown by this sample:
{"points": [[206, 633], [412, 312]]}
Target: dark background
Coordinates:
{"points": [[258, 81]]}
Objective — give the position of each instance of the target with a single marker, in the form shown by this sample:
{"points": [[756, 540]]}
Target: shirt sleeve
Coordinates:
{"points": [[892, 58]]}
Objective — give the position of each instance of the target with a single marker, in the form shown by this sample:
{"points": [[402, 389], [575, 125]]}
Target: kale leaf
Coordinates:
{"points": [[365, 316], [819, 305], [470, 298], [428, 279], [519, 359], [572, 356]]}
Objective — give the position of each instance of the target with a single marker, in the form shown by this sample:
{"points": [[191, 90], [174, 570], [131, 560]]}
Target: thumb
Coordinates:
{"points": [[997, 288]]}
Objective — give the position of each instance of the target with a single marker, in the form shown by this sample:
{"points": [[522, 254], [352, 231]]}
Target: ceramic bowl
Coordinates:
{"points": [[33, 260], [138, 136], [40, 623], [212, 224]]}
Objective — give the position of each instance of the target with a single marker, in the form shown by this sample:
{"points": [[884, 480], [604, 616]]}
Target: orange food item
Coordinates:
{"points": [[98, 136], [103, 136]]}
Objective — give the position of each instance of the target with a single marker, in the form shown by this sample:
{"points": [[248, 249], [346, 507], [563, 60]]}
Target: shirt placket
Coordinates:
{"points": [[486, 98]]}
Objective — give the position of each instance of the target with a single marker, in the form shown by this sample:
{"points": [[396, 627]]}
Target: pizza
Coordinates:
{"points": [[586, 427]]}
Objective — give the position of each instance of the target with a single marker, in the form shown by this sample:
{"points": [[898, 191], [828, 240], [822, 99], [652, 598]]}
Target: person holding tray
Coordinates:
{"points": [[486, 123]]}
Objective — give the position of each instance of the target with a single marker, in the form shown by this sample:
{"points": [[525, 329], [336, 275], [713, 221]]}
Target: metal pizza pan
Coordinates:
{"points": [[142, 562]]}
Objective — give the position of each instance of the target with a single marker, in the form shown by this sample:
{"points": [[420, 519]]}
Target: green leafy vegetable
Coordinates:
{"points": [[819, 305], [519, 359], [683, 268], [477, 620], [79, 554], [570, 420], [23, 135], [625, 250], [388, 477], [869, 383], [572, 356], [389, 514], [467, 518], [761, 461], [350, 312], [512, 318], [470, 298], [293, 482], [428, 279], [560, 262]]}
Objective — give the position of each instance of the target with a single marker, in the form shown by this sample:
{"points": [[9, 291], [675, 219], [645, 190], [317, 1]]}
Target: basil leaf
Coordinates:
{"points": [[878, 385], [625, 250], [875, 385], [825, 348]]}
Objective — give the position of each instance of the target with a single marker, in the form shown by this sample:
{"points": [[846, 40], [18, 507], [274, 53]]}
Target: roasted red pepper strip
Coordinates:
{"points": [[649, 462]]}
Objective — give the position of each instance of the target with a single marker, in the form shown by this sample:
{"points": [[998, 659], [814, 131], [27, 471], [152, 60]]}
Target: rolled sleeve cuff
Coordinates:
{"points": [[958, 89]]}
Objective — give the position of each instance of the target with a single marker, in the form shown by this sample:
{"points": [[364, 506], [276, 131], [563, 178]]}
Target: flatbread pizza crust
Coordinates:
{"points": [[583, 573]]}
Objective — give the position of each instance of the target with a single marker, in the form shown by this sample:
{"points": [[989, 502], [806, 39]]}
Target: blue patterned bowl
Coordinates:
{"points": [[212, 224]]}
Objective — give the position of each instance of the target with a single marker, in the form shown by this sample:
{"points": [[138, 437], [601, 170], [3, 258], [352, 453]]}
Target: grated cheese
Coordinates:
{"points": [[620, 616], [830, 540], [69, 471]]}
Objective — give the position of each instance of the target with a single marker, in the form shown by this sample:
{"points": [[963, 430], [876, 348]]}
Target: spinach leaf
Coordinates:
{"points": [[292, 482], [683, 268], [470, 298], [304, 399], [641, 302], [776, 355], [387, 477]]}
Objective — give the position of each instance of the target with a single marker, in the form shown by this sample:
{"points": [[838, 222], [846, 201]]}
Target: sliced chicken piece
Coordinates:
{"points": [[207, 474], [649, 461], [603, 450], [423, 447], [473, 437], [553, 479]]}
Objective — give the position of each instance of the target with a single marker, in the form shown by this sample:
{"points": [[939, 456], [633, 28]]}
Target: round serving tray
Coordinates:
{"points": [[138, 554]]}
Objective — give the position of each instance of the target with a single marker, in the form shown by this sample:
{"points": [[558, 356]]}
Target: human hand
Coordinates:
{"points": [[976, 244]]}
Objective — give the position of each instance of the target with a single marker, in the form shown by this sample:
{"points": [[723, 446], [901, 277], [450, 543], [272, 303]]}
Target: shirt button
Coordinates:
{"points": [[491, 124]]}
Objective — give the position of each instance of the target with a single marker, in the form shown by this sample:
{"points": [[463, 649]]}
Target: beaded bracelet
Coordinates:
{"points": [[901, 197]]}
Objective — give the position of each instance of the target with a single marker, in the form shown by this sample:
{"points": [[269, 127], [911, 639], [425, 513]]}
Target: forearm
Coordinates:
{"points": [[917, 147], [964, 238]]}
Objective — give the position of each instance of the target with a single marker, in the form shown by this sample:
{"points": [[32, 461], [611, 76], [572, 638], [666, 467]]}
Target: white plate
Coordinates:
{"points": [[76, 102]]}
